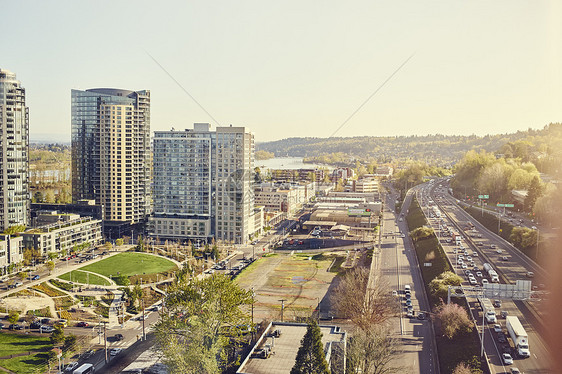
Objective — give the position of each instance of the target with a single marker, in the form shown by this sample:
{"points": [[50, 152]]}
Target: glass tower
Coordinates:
{"points": [[14, 160], [111, 151]]}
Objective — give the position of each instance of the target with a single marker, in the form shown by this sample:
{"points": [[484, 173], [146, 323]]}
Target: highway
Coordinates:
{"points": [[508, 261], [398, 264]]}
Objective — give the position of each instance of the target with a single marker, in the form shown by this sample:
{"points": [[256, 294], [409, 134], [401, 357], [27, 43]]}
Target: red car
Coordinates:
{"points": [[82, 324]]}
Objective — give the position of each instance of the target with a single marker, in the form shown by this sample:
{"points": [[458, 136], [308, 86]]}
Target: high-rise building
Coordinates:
{"points": [[203, 184], [14, 159], [111, 160]]}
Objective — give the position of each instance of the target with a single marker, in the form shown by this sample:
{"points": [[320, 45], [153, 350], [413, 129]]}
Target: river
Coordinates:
{"points": [[291, 163]]}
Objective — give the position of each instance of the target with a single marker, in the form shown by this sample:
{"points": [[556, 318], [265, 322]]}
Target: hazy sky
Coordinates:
{"points": [[296, 68]]}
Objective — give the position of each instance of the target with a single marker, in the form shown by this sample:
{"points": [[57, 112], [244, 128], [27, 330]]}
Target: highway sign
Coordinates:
{"points": [[483, 196], [505, 205]]}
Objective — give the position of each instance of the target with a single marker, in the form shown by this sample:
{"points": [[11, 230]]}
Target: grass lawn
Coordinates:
{"points": [[129, 264], [16, 343], [78, 276]]}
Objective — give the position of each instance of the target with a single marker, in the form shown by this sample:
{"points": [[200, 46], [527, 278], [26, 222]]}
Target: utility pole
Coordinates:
{"points": [[282, 307], [104, 342], [143, 327]]}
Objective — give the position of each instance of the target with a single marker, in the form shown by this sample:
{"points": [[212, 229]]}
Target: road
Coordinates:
{"points": [[398, 264], [508, 261]]}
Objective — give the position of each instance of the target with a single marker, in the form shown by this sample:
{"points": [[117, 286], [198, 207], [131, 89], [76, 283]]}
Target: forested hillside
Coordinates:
{"points": [[442, 150]]}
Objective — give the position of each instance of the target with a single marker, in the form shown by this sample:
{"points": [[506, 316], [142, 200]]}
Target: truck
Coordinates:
{"points": [[488, 309], [518, 335], [491, 273]]}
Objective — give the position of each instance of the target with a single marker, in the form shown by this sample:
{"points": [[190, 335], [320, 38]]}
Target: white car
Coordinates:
{"points": [[115, 351], [464, 266], [507, 359], [497, 327], [472, 281], [485, 281], [479, 274], [70, 367]]}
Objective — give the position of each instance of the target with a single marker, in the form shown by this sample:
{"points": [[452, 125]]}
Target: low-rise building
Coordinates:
{"points": [[69, 230], [283, 197], [11, 252], [276, 350]]}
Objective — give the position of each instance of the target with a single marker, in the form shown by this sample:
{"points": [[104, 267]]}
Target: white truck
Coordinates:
{"points": [[518, 335], [488, 309], [491, 273]]}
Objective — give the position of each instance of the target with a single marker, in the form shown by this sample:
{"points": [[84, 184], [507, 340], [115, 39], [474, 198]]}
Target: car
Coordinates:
{"points": [[17, 284], [82, 324], [410, 314], [501, 338], [62, 322], [115, 351], [118, 337], [408, 302], [70, 367], [468, 258], [394, 293], [507, 359], [497, 327], [410, 308], [35, 277], [534, 227], [475, 254], [479, 274], [45, 328], [485, 281], [464, 266], [530, 274], [15, 326], [89, 353], [515, 371], [472, 281], [421, 316], [35, 325], [499, 251], [498, 303], [504, 258]]}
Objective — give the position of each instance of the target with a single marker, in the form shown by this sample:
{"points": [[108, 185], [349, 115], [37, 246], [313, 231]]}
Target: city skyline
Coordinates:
{"points": [[292, 69]]}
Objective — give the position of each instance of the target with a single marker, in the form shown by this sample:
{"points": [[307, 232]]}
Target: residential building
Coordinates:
{"points": [[111, 161], [66, 231], [366, 185], [283, 197], [203, 184], [11, 252], [14, 153]]}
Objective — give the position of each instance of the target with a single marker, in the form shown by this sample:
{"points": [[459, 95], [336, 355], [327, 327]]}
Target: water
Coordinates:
{"points": [[291, 163]]}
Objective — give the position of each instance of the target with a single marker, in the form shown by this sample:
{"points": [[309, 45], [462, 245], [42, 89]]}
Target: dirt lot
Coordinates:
{"points": [[299, 280]]}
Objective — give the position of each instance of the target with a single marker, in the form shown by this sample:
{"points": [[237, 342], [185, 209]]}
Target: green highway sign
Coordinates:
{"points": [[505, 205], [483, 196]]}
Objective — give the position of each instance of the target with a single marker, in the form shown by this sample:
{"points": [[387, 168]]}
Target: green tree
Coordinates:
{"points": [[50, 266], [534, 191], [13, 317], [38, 197], [57, 336], [69, 343], [310, 356], [23, 274], [191, 331], [52, 255], [438, 287], [14, 229], [119, 242], [420, 233], [49, 197]]}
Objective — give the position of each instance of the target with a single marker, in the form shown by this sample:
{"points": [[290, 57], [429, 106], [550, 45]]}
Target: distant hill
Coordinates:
{"points": [[441, 150], [49, 138]]}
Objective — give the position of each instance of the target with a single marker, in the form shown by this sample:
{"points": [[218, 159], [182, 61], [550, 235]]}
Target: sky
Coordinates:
{"points": [[295, 68]]}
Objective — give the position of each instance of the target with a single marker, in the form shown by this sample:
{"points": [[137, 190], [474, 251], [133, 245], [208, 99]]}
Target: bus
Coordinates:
{"points": [[85, 369]]}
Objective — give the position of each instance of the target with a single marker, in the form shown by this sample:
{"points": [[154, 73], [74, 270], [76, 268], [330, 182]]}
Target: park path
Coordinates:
{"points": [[114, 308]]}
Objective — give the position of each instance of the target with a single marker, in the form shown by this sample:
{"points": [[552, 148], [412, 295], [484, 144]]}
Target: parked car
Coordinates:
{"points": [[47, 329], [62, 322], [35, 325], [15, 326], [35, 277], [82, 324]]}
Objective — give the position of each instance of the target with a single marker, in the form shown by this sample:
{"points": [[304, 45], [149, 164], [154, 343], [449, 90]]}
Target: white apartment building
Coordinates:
{"points": [[11, 252]]}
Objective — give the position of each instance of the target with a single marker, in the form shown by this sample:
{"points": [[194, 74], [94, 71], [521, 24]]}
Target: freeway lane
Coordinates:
{"points": [[398, 265], [510, 269]]}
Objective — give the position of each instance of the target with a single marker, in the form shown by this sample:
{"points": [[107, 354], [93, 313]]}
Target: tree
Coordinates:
{"points": [[57, 336], [438, 287], [453, 319], [377, 305], [23, 274], [52, 255], [372, 351], [49, 196], [420, 233], [191, 331], [462, 368], [534, 191], [50, 266], [14, 229], [38, 197], [69, 343], [13, 317], [310, 356], [119, 242]]}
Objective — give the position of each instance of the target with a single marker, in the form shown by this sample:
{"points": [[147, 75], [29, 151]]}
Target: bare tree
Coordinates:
{"points": [[364, 306], [462, 368], [452, 319], [372, 351]]}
